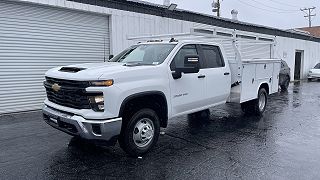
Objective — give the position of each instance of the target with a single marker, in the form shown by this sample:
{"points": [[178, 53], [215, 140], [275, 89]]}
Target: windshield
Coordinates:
{"points": [[317, 66], [144, 54]]}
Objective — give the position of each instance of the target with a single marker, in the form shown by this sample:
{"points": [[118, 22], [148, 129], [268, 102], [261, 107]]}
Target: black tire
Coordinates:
{"points": [[285, 85], [253, 107], [257, 109], [126, 141], [309, 79]]}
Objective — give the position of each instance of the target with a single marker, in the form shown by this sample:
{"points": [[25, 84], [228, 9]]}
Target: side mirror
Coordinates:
{"points": [[191, 65], [111, 56]]}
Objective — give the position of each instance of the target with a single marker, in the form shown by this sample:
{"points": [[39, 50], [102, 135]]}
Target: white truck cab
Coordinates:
{"points": [[134, 94]]}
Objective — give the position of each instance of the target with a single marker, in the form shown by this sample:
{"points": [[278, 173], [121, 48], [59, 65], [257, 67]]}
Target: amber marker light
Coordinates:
{"points": [[102, 83]]}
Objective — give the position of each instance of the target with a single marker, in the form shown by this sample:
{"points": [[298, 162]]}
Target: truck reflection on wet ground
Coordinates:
{"points": [[282, 144]]}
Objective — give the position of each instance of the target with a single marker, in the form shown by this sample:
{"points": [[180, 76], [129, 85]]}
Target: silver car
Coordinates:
{"points": [[314, 73]]}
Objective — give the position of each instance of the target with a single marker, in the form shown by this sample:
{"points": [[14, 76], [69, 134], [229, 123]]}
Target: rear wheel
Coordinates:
{"points": [[140, 133], [261, 103], [257, 106]]}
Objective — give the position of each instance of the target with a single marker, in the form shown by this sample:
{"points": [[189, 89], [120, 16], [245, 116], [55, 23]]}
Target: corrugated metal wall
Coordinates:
{"points": [[256, 51], [36, 38]]}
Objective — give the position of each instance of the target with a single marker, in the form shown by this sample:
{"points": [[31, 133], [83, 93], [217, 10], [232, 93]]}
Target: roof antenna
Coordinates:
{"points": [[173, 40]]}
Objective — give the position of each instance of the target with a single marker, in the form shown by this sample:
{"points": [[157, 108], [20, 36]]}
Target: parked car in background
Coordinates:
{"points": [[314, 73], [284, 77]]}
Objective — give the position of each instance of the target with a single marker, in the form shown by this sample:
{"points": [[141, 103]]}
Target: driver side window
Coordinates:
{"points": [[178, 60]]}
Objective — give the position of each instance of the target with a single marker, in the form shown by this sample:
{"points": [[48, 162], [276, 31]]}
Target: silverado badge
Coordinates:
{"points": [[56, 87]]}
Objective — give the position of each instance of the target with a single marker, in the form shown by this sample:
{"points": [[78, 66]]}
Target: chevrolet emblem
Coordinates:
{"points": [[56, 87]]}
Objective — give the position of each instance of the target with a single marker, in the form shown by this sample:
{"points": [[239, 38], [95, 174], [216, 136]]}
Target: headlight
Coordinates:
{"points": [[97, 103], [102, 83], [310, 72]]}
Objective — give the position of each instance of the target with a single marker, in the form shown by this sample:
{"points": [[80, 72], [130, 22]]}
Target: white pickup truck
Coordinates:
{"points": [[134, 94]]}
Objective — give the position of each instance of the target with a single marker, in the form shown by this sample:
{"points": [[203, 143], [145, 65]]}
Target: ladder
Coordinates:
{"points": [[235, 38]]}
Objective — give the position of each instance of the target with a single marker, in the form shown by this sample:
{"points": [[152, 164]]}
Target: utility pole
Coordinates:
{"points": [[309, 15], [216, 7]]}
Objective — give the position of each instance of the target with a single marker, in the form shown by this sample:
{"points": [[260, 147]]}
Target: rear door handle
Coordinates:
{"points": [[226, 73], [201, 76]]}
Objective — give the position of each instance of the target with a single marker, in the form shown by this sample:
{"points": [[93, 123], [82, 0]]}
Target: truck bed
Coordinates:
{"points": [[250, 74]]}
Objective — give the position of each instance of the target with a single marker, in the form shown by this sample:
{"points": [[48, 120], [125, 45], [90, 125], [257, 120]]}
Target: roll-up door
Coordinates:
{"points": [[35, 38]]}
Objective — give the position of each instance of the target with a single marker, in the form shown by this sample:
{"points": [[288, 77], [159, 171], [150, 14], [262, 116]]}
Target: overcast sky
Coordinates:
{"points": [[283, 14]]}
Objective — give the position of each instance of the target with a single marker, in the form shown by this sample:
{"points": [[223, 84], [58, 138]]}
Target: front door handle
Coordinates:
{"points": [[201, 76], [226, 73]]}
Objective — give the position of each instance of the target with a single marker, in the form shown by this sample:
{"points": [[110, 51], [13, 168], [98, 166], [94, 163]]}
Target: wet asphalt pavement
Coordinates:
{"points": [[283, 144]]}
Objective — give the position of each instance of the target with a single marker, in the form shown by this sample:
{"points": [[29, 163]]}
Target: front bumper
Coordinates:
{"points": [[100, 130]]}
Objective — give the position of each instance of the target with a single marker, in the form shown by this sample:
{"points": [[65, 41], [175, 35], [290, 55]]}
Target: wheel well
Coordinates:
{"points": [[153, 100], [265, 86]]}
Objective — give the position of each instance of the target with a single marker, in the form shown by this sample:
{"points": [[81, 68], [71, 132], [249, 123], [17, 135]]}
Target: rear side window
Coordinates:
{"points": [[213, 56]]}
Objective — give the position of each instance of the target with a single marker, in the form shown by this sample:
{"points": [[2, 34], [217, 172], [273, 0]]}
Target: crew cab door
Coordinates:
{"points": [[218, 75], [187, 92]]}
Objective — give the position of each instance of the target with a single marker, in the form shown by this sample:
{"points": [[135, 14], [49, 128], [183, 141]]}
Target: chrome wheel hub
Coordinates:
{"points": [[262, 101], [143, 132]]}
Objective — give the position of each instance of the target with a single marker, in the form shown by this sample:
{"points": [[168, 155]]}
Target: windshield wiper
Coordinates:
{"points": [[138, 64]]}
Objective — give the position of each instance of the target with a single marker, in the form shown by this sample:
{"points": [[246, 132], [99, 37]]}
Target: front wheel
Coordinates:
{"points": [[140, 133]]}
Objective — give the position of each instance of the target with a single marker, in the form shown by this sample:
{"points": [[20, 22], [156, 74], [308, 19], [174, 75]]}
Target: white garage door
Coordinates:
{"points": [[35, 38]]}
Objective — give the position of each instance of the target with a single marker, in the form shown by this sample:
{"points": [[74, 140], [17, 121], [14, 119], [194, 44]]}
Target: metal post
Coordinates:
{"points": [[309, 15], [218, 7]]}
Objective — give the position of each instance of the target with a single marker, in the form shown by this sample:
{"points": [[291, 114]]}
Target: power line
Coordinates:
{"points": [[309, 15], [268, 10], [274, 7], [285, 4]]}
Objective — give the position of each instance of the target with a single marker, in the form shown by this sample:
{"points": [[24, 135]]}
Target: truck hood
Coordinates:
{"points": [[90, 71]]}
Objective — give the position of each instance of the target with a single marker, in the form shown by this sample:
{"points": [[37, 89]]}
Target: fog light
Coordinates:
{"points": [[96, 129], [98, 99], [97, 103]]}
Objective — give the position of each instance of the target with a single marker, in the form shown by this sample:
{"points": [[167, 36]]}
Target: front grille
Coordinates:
{"points": [[71, 93]]}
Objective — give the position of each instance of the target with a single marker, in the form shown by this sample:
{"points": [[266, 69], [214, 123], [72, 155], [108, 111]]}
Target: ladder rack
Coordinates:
{"points": [[207, 35], [235, 39]]}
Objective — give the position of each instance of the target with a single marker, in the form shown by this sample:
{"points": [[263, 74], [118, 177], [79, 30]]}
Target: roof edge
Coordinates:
{"points": [[159, 10]]}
